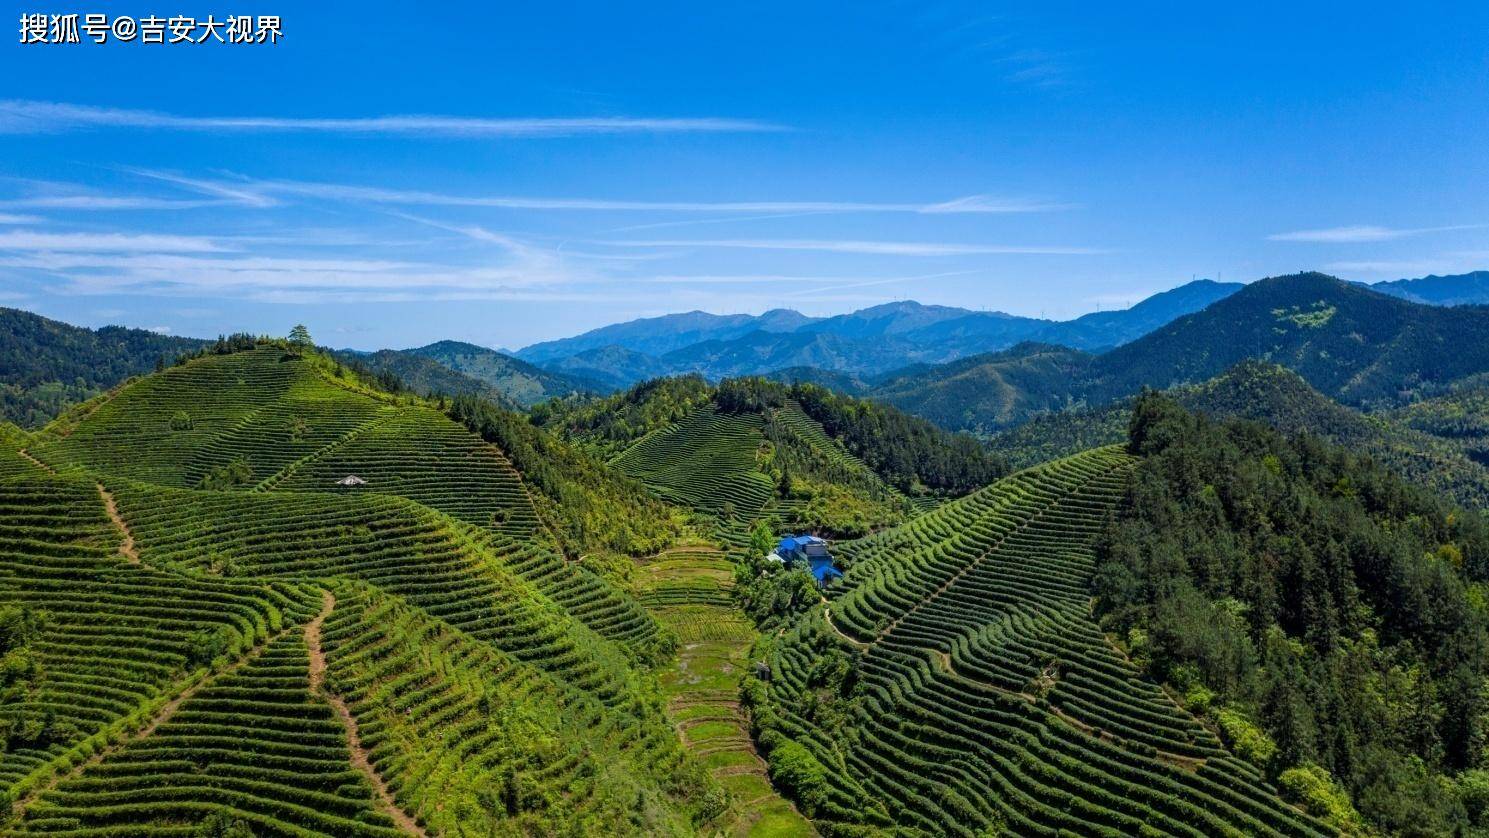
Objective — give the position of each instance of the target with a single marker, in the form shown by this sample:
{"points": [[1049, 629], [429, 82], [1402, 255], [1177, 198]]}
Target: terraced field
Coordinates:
{"points": [[421, 455], [984, 696], [256, 743], [295, 427], [12, 462], [409, 658], [709, 462], [486, 586], [115, 639], [688, 588]]}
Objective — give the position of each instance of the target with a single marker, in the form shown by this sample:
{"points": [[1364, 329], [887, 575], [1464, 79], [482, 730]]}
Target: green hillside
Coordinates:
{"points": [[959, 685], [517, 380], [204, 632]]}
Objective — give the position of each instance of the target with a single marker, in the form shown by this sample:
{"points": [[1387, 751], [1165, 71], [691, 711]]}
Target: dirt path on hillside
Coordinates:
{"points": [[126, 544], [353, 737], [38, 463]]}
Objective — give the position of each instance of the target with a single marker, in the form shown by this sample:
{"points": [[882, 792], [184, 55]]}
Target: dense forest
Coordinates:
{"points": [[1327, 616], [1437, 444]]}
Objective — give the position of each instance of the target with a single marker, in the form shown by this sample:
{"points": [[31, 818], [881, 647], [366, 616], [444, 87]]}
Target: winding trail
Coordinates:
{"points": [[126, 544], [353, 737], [38, 463]]}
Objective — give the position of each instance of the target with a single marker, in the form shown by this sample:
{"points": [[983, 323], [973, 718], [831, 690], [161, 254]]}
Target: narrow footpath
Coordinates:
{"points": [[360, 758]]}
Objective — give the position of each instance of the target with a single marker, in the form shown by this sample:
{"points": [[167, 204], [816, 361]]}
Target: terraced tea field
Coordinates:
{"points": [[710, 462], [984, 694], [706, 462], [688, 587], [412, 657]]}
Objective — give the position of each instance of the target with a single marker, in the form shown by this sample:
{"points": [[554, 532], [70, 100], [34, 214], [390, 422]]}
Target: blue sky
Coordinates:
{"points": [[507, 175]]}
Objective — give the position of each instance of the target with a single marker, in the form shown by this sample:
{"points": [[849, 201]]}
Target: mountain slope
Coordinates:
{"points": [[1346, 341], [425, 376], [517, 380], [985, 392], [46, 365], [1104, 329], [196, 527], [754, 450], [1268, 580]]}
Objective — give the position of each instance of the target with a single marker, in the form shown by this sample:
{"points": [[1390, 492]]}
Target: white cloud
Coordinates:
{"points": [[26, 240], [873, 248], [20, 116], [159, 330], [1362, 233], [18, 219]]}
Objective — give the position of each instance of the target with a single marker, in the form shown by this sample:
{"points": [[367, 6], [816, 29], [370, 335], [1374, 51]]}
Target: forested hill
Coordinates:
{"points": [[1346, 341], [46, 365], [1327, 617]]}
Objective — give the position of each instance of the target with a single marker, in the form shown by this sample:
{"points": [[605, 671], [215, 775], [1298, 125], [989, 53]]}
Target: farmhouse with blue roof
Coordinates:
{"points": [[810, 551]]}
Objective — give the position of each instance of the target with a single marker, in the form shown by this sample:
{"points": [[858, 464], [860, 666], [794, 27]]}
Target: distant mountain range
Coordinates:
{"points": [[1460, 289], [1361, 347], [887, 339], [872, 341]]}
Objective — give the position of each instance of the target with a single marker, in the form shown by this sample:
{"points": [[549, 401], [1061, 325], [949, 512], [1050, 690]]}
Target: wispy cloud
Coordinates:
{"points": [[872, 248], [20, 116], [224, 191], [18, 219], [27, 240], [410, 197], [1363, 233], [104, 202]]}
